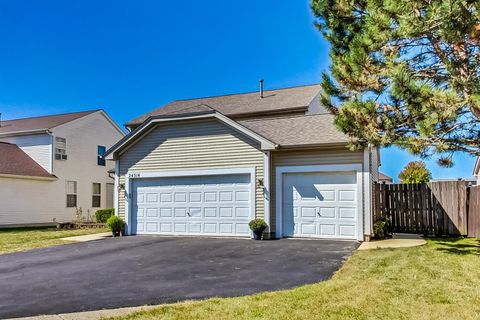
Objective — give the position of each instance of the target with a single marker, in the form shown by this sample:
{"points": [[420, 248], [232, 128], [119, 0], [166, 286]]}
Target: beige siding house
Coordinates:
{"points": [[52, 166], [208, 166]]}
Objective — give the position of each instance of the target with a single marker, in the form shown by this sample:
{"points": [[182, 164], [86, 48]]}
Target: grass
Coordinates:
{"points": [[20, 239], [436, 281]]}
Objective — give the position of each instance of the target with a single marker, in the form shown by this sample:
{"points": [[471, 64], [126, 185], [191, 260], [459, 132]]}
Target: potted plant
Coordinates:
{"points": [[116, 224], [258, 226]]}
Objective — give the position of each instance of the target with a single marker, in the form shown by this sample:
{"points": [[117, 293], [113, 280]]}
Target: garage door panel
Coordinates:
{"points": [[327, 229], [214, 205], [319, 205], [347, 213]]}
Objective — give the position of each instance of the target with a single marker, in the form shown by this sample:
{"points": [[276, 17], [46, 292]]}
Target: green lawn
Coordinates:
{"points": [[20, 239], [440, 280]]}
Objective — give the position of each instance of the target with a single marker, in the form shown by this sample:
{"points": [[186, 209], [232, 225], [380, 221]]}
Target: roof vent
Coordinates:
{"points": [[261, 88]]}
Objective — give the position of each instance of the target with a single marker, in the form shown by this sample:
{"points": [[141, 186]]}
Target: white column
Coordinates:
{"points": [[266, 187], [367, 191], [115, 187]]}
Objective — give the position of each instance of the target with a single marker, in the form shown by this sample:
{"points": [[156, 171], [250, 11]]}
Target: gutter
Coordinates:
{"points": [[17, 176], [24, 132]]}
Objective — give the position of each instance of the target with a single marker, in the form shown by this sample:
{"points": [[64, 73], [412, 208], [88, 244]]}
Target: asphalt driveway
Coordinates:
{"points": [[135, 271]]}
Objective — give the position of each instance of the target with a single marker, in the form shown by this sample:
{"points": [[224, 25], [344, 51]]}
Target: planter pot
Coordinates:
{"points": [[116, 233], [257, 236]]}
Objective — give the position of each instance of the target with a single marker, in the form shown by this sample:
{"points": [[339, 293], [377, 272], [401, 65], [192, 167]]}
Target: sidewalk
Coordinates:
{"points": [[88, 237], [399, 240], [89, 315]]}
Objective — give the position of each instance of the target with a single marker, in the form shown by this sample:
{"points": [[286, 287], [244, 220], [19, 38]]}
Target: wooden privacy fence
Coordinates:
{"points": [[474, 212], [437, 208]]}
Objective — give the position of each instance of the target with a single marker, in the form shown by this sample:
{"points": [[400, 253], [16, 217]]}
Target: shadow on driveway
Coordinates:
{"points": [[142, 270]]}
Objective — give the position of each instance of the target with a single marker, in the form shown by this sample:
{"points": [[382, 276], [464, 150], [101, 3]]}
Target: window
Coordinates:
{"points": [[71, 194], [60, 148], [101, 155], [96, 195]]}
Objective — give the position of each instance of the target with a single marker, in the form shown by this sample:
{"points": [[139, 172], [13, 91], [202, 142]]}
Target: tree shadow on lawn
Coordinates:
{"points": [[459, 246]]}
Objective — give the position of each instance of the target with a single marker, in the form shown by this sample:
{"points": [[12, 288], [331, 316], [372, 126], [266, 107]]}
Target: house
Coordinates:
{"points": [[53, 165], [476, 171], [208, 166], [383, 178]]}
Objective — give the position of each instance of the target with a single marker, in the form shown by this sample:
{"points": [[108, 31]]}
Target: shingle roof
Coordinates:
{"points": [[298, 130], [383, 176], [40, 123], [16, 162], [238, 104]]}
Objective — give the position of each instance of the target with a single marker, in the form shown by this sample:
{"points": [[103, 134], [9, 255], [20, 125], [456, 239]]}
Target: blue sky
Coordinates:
{"points": [[128, 57]]}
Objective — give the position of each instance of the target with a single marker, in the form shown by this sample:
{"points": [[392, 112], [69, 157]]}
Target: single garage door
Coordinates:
{"points": [[321, 205], [200, 205]]}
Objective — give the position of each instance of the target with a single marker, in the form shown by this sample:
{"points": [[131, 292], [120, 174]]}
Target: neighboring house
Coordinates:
{"points": [[383, 178], [476, 171], [52, 165], [208, 166]]}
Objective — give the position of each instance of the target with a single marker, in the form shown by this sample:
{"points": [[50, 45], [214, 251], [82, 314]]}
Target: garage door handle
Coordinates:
{"points": [[318, 213], [188, 213]]}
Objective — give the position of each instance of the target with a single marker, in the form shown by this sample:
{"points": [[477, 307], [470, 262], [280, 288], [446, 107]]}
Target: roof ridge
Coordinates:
{"points": [[248, 92], [53, 115], [286, 116]]}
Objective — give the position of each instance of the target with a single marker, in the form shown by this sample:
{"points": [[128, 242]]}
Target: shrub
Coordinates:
{"points": [[380, 228], [102, 215], [258, 226], [116, 224], [415, 172]]}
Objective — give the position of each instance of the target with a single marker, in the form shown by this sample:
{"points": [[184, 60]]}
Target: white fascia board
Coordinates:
{"points": [[265, 143], [16, 176], [23, 133]]}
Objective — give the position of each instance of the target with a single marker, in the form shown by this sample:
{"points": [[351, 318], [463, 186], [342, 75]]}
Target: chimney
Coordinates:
{"points": [[261, 88]]}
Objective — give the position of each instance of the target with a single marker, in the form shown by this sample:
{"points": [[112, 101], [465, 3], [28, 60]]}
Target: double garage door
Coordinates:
{"points": [[199, 205], [319, 204]]}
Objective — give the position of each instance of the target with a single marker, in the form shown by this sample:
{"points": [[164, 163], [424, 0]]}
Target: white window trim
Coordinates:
{"points": [[97, 194], [55, 149], [281, 170], [67, 194], [134, 175]]}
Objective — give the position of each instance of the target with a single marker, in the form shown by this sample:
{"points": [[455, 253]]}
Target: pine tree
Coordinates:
{"points": [[404, 72]]}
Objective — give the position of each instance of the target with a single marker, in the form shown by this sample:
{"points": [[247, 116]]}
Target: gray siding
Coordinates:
{"points": [[306, 158], [191, 146]]}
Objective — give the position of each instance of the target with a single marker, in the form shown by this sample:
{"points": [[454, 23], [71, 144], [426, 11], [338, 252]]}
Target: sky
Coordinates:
{"points": [[129, 57]]}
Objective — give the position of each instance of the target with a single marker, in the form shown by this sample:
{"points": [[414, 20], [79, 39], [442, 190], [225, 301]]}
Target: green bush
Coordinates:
{"points": [[258, 226], [380, 228], [116, 224], [102, 215]]}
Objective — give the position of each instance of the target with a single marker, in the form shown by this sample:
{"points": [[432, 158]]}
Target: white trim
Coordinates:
{"points": [[367, 190], [266, 187], [318, 168], [17, 176], [52, 150], [115, 187], [132, 175], [265, 143]]}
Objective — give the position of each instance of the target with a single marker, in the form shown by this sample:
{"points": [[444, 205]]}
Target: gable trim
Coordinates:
{"points": [[145, 127]]}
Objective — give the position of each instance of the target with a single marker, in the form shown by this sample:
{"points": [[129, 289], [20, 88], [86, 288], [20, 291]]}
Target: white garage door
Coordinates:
{"points": [[321, 205], [202, 205]]}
